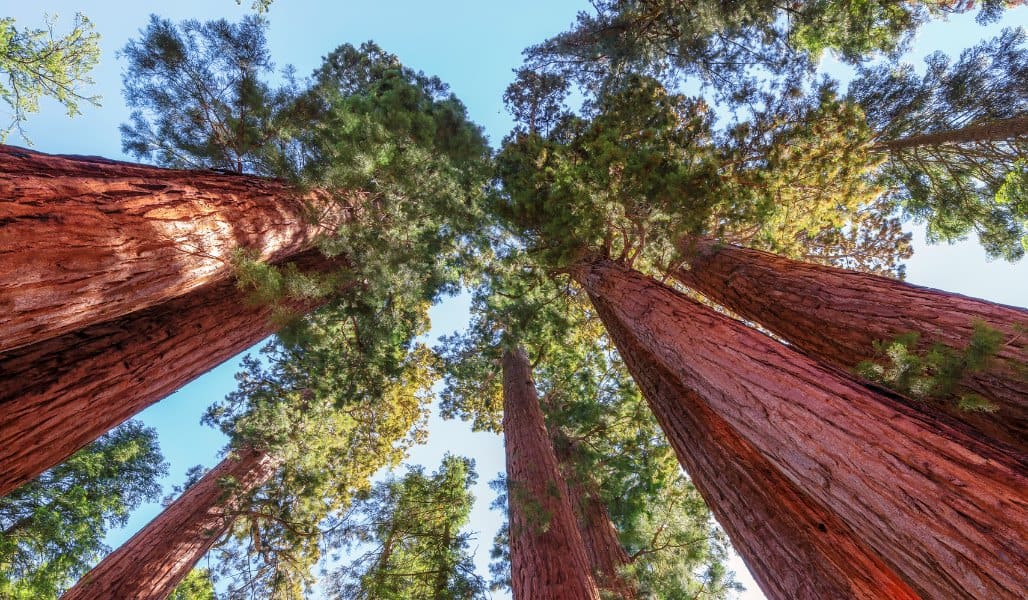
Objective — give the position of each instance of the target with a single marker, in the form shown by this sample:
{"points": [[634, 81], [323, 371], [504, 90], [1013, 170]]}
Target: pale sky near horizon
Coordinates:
{"points": [[473, 46]]}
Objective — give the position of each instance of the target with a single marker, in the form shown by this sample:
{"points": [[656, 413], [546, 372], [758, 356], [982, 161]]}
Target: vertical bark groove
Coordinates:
{"points": [[835, 316], [84, 240], [63, 393], [547, 555], [155, 560], [943, 509], [794, 547]]}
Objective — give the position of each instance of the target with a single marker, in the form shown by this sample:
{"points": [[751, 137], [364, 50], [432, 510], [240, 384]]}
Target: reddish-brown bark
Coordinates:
{"points": [[989, 131], [151, 563], [58, 395], [84, 240], [943, 509], [607, 557], [835, 316], [794, 547], [547, 555]]}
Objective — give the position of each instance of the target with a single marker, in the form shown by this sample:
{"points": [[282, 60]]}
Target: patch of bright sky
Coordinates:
{"points": [[472, 45]]}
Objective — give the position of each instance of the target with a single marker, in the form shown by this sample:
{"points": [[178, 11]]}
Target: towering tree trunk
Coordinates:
{"points": [[547, 556], [606, 555], [155, 560], [989, 131], [84, 240], [59, 395], [794, 547], [835, 316], [943, 509]]}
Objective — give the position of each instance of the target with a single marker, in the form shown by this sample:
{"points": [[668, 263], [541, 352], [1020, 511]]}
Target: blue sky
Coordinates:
{"points": [[473, 46]]}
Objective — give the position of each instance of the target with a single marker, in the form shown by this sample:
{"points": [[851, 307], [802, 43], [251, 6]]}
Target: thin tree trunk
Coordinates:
{"points": [[989, 131], [84, 240], [606, 555], [943, 509], [547, 556], [836, 315], [793, 546], [442, 578], [61, 394], [150, 564]]}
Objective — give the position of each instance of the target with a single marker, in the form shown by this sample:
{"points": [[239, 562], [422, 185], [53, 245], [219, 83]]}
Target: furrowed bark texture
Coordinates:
{"points": [[943, 509], [836, 315], [990, 131], [607, 557], [61, 394], [85, 240], [793, 546], [151, 563], [547, 556]]}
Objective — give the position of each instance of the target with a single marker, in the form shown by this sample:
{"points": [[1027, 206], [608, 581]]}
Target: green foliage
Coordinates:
{"points": [[797, 178], [397, 148], [51, 529], [35, 64], [732, 46], [333, 427], [804, 162], [198, 99], [196, 586], [626, 183], [408, 538], [956, 188], [934, 372], [259, 6]]}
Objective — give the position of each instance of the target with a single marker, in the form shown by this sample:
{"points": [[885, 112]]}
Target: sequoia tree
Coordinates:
{"points": [[607, 557], [813, 424], [88, 240], [153, 562], [840, 317], [308, 430], [394, 133], [60, 394], [791, 544], [548, 558], [647, 532]]}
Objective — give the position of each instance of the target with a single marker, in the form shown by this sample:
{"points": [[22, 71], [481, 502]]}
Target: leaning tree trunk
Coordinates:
{"points": [[59, 395], [943, 509], [836, 315], [794, 547], [547, 556], [989, 131], [606, 555], [150, 564], [85, 240]]}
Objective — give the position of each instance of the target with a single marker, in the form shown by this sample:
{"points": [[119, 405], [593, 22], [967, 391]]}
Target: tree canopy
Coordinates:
{"points": [[406, 538], [36, 63]]}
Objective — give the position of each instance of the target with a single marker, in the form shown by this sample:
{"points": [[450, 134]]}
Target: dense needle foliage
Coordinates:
{"points": [[956, 187], [405, 538], [36, 63]]}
